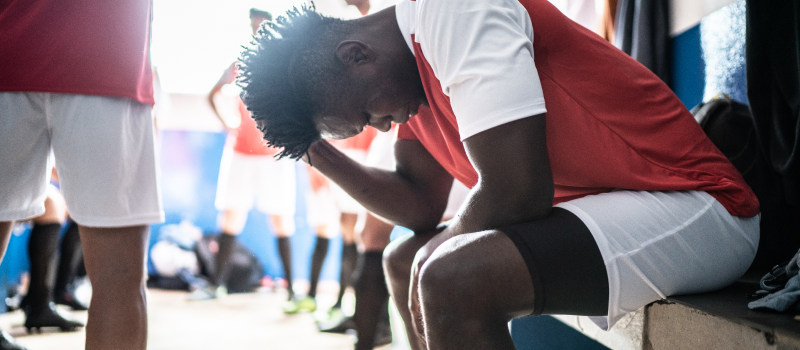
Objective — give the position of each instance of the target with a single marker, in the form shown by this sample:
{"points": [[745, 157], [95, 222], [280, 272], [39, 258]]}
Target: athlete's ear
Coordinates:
{"points": [[354, 53]]}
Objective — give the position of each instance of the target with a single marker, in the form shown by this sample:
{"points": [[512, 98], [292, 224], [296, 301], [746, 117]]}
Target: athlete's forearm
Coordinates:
{"points": [[491, 206], [389, 194]]}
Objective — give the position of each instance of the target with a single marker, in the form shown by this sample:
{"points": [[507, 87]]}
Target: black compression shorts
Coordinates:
{"points": [[565, 265]]}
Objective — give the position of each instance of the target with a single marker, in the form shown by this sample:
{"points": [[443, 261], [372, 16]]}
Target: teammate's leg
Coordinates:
{"points": [[69, 262], [233, 222], [115, 259], [317, 259], [285, 251], [42, 247], [347, 224], [372, 295]]}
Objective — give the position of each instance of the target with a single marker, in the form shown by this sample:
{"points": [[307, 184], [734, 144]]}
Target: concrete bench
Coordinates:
{"points": [[717, 320]]}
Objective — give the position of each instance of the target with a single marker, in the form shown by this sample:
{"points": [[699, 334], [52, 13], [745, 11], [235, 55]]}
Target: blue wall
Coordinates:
{"points": [[688, 67], [190, 163]]}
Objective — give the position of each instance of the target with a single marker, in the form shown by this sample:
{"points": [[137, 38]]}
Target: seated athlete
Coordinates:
{"points": [[594, 191]]}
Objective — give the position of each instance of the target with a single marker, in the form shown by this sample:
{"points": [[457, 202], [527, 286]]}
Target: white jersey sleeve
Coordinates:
{"points": [[482, 53]]}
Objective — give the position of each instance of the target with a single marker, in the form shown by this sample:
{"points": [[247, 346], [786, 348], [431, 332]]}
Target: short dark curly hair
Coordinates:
{"points": [[288, 73]]}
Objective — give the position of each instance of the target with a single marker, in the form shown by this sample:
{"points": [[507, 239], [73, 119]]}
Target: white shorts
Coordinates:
{"points": [[344, 202], [658, 244], [458, 193], [381, 151], [380, 155], [245, 180], [105, 151], [321, 211]]}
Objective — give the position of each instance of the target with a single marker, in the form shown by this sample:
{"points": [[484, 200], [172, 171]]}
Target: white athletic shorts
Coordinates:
{"points": [[381, 151], [344, 202], [458, 193], [263, 181], [105, 152], [380, 155], [658, 244], [321, 211]]}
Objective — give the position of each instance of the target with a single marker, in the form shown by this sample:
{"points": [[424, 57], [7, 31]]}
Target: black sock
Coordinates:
{"points": [[222, 262], [349, 257], [320, 251], [69, 260], [42, 253], [372, 297], [285, 251]]}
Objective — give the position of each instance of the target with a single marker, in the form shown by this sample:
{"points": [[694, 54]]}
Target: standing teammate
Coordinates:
{"points": [[349, 211], [84, 90], [594, 191], [249, 175], [321, 215]]}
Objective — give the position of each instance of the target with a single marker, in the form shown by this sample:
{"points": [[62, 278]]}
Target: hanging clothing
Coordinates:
{"points": [[582, 12], [642, 31], [606, 12], [773, 84]]}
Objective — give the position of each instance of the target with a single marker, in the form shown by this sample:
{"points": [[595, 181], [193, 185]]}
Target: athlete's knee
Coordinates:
{"points": [[451, 282], [398, 257]]}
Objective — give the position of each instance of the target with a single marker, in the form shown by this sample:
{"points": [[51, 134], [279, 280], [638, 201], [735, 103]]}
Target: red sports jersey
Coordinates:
{"points": [[359, 142], [249, 140], [611, 123], [90, 47]]}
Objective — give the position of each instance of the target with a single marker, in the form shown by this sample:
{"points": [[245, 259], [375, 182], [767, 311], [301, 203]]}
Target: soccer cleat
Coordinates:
{"points": [[49, 317], [337, 325], [208, 293], [293, 306]]}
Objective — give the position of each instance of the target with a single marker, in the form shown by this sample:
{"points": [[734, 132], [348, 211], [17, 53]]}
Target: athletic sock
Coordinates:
{"points": [[222, 262], [285, 251], [70, 258], [349, 257], [372, 297], [320, 251], [42, 253]]}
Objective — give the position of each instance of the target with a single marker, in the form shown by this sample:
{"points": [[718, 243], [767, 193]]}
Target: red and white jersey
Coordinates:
{"points": [[247, 139], [360, 142], [611, 123], [250, 140], [89, 47]]}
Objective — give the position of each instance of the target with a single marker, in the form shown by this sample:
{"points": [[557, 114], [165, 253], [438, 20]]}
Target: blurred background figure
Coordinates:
{"points": [[52, 274], [350, 211], [249, 176], [321, 216]]}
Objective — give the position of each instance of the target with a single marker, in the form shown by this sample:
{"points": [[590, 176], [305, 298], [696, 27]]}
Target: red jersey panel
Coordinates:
{"points": [[90, 47], [360, 142], [611, 123], [249, 140]]}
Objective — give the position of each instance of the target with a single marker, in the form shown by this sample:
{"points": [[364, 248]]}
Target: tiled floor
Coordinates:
{"points": [[240, 321]]}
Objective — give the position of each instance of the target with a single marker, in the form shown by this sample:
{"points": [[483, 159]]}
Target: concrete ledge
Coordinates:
{"points": [[718, 320]]}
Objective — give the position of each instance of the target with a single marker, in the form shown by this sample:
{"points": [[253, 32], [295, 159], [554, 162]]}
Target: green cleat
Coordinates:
{"points": [[293, 306], [335, 314]]}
